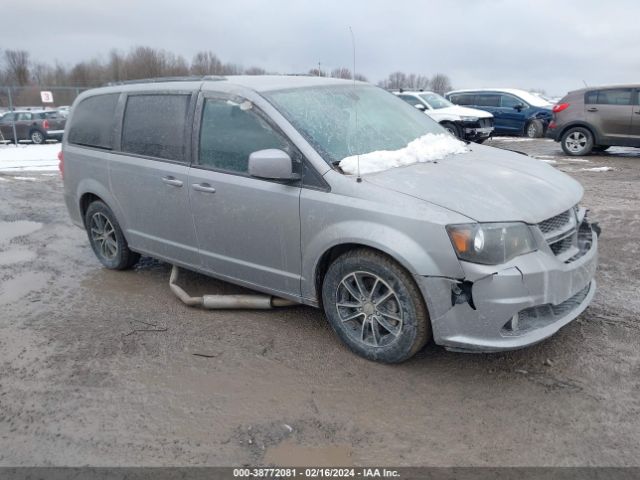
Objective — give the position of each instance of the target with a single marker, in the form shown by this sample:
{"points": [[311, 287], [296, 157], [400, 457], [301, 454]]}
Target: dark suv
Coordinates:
{"points": [[594, 119], [516, 112], [37, 126]]}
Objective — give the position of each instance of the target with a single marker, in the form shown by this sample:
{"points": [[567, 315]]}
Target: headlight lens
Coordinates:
{"points": [[469, 119], [491, 243]]}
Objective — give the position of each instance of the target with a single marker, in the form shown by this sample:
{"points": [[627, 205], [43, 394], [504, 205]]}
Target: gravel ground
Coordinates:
{"points": [[108, 368]]}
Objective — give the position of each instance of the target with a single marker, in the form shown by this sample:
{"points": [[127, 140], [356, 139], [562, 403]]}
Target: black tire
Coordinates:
{"points": [[452, 128], [404, 312], [577, 141], [106, 238], [534, 129], [601, 148], [37, 137]]}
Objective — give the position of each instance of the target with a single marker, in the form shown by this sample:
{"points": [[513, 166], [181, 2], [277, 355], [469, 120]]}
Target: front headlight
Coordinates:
{"points": [[491, 243], [469, 119]]}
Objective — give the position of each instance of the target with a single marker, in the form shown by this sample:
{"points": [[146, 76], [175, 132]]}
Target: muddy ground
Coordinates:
{"points": [[108, 368]]}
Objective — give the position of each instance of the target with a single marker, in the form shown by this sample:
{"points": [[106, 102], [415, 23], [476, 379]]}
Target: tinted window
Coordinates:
{"points": [[93, 121], [618, 96], [154, 126], [510, 102], [488, 100], [25, 116], [230, 132], [463, 99]]}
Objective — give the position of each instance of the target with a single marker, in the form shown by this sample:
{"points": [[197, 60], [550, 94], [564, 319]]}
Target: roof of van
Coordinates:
{"points": [[262, 83], [259, 83]]}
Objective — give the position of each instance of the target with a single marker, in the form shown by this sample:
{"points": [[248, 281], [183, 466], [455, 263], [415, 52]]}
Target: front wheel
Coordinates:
{"points": [[37, 137], [452, 129], [106, 238], [577, 141], [375, 307], [534, 129]]}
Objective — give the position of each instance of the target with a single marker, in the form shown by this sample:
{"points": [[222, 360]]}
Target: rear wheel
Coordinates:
{"points": [[375, 307], [106, 238], [577, 141], [534, 129], [452, 129], [37, 137]]}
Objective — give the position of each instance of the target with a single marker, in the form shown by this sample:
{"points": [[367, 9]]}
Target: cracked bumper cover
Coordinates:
{"points": [[537, 279]]}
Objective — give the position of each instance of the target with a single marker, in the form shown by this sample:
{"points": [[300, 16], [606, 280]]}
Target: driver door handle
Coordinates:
{"points": [[173, 181], [592, 109], [203, 187]]}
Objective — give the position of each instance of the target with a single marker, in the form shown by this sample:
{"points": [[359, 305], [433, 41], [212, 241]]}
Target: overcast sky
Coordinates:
{"points": [[546, 44]]}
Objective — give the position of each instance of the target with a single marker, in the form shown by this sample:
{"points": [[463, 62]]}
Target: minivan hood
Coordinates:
{"points": [[487, 185]]}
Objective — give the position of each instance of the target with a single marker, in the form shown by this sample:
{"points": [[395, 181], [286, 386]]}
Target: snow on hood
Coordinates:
{"points": [[428, 148], [488, 185]]}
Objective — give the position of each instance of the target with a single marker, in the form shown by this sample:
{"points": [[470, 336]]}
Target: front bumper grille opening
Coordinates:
{"points": [[540, 316], [585, 241], [562, 246]]}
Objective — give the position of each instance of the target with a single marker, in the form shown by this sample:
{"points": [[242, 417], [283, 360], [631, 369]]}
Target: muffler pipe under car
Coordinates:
{"points": [[226, 302]]}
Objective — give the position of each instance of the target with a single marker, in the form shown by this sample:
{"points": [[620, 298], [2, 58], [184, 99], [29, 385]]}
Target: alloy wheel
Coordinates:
{"points": [[370, 308], [576, 142], [103, 235]]}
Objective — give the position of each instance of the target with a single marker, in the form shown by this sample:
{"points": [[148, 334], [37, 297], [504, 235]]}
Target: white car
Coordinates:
{"points": [[465, 123]]}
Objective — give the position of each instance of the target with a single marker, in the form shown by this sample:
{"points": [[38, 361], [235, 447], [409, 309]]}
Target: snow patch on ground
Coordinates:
{"points": [[29, 157], [597, 169], [428, 148]]}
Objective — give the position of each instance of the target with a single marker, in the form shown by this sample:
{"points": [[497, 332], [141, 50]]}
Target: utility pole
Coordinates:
{"points": [[319, 71], [13, 116]]}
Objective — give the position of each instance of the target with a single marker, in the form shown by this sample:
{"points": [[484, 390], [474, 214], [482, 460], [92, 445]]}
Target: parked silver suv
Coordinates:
{"points": [[246, 179]]}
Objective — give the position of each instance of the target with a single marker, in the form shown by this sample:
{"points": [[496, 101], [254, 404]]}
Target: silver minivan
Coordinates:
{"points": [[251, 179]]}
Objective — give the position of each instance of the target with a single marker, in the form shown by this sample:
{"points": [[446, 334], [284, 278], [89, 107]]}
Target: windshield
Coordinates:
{"points": [[326, 117], [435, 100]]}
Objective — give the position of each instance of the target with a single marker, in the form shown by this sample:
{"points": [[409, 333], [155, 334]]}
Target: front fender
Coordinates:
{"points": [[413, 256]]}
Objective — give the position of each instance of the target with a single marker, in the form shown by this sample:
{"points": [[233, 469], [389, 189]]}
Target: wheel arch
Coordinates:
{"points": [[585, 125], [335, 251]]}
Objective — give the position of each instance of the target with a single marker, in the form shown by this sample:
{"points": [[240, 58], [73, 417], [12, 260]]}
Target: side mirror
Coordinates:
{"points": [[272, 164], [420, 106], [519, 107]]}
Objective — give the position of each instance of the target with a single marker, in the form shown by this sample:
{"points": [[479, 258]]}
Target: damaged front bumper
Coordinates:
{"points": [[510, 306]]}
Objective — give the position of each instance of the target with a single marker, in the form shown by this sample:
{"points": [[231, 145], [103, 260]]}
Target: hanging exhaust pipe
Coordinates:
{"points": [[226, 302]]}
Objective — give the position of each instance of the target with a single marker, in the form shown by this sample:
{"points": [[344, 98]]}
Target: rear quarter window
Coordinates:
{"points": [[617, 96], [462, 99], [154, 125], [93, 121]]}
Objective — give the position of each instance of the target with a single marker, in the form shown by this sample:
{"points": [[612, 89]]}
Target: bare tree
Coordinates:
{"points": [[206, 63], [361, 78], [232, 69], [440, 83], [255, 71], [18, 63], [341, 72], [314, 72], [116, 67]]}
